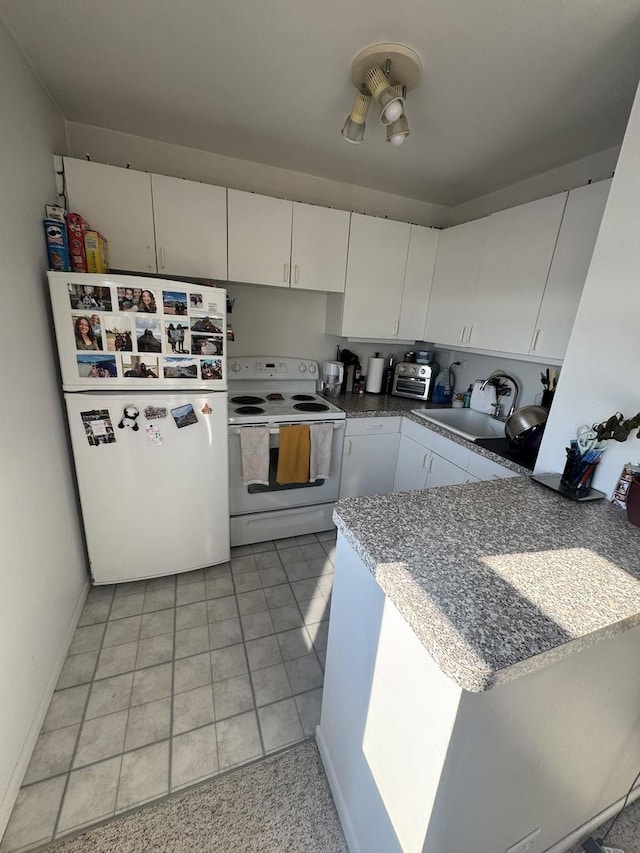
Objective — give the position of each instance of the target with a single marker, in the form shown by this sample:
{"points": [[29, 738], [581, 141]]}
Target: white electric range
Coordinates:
{"points": [[274, 392]]}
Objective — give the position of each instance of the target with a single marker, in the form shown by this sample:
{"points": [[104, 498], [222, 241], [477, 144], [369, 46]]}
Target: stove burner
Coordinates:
{"points": [[249, 410], [311, 407], [247, 400], [303, 397], [275, 397]]}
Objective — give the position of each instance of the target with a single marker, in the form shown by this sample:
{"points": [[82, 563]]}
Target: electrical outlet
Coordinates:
{"points": [[463, 364], [525, 843]]}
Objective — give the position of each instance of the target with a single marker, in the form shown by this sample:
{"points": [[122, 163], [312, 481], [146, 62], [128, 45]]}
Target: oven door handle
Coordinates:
{"points": [[235, 430]]}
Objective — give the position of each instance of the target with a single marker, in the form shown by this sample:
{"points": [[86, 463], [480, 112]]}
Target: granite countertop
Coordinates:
{"points": [[385, 405], [499, 578]]}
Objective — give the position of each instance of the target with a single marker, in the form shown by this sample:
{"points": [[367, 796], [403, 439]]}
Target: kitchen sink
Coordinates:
{"points": [[468, 423]]}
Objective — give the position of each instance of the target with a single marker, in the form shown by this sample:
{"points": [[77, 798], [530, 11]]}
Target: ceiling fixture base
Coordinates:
{"points": [[406, 65]]}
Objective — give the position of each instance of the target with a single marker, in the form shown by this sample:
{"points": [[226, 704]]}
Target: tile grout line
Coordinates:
{"points": [[246, 657], [173, 682], [82, 721]]}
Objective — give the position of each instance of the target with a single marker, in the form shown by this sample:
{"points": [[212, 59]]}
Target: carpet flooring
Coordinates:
{"points": [[625, 835], [278, 805]]}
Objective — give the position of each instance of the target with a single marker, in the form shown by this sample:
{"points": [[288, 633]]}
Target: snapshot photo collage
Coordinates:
{"points": [[146, 334]]}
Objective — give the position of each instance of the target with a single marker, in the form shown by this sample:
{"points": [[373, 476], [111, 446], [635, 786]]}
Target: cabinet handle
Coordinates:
{"points": [[535, 340], [430, 463], [424, 460], [374, 426], [469, 335], [162, 258], [396, 326], [296, 274], [462, 334], [285, 274], [347, 447]]}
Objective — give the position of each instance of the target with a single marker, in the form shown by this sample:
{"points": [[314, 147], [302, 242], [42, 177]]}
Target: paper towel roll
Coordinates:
{"points": [[375, 369]]}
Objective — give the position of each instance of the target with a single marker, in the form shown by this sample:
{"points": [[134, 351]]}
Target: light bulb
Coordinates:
{"points": [[392, 112], [397, 139]]}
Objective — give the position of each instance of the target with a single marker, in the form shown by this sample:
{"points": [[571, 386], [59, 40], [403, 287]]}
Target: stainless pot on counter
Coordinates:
{"points": [[525, 427]]}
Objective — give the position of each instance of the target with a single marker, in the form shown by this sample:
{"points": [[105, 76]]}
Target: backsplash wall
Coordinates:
{"points": [[282, 322]]}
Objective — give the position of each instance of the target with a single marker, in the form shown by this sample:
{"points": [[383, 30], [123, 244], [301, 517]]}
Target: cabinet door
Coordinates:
{"points": [[515, 266], [421, 259], [455, 280], [191, 227], [368, 464], [412, 466], [444, 473], [259, 238], [375, 276], [320, 239], [571, 259], [117, 203]]}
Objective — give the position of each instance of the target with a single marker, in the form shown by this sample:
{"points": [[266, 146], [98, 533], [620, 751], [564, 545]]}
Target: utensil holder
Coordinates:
{"points": [[577, 475], [547, 399]]}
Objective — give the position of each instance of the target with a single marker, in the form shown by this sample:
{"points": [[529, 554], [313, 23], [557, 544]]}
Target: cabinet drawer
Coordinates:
{"points": [[485, 469], [372, 426]]}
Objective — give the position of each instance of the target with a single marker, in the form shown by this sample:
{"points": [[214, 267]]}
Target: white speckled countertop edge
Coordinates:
{"points": [[506, 608]]}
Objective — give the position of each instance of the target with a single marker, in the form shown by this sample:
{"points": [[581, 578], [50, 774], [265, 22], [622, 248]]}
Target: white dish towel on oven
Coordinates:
{"points": [[320, 457], [254, 448]]}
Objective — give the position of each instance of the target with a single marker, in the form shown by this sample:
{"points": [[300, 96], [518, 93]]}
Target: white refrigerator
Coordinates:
{"points": [[143, 366]]}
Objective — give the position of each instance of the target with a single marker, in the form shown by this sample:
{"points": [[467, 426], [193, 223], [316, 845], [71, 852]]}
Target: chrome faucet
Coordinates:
{"points": [[500, 391]]}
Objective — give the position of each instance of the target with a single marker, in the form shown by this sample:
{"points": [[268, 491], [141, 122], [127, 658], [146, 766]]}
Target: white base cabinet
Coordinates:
{"points": [[369, 456], [427, 460]]}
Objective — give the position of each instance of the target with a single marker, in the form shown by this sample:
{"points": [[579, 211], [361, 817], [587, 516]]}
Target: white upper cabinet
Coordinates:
{"points": [[117, 203], [421, 259], [513, 274], [571, 259], [190, 227], [259, 238], [455, 281], [375, 275], [320, 240]]}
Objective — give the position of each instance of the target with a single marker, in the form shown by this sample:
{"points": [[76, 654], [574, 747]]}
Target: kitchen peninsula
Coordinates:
{"points": [[482, 683]]}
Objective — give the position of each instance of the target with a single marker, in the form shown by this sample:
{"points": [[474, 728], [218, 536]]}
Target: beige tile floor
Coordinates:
{"points": [[174, 680]]}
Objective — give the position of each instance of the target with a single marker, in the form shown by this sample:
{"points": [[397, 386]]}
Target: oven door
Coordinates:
{"points": [[258, 498]]}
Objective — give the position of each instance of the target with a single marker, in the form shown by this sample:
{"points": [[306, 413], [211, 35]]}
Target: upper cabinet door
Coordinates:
{"points": [[515, 266], [423, 245], [455, 280], [571, 259], [117, 203], [319, 248], [375, 277], [191, 227], [259, 238]]}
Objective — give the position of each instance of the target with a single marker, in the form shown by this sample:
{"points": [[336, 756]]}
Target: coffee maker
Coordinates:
{"points": [[332, 374]]}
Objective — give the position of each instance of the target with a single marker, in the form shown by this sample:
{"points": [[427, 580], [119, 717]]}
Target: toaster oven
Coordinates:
{"points": [[412, 380]]}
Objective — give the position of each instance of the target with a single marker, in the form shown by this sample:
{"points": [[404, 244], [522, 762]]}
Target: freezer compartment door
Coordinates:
{"points": [[144, 334], [154, 499]]}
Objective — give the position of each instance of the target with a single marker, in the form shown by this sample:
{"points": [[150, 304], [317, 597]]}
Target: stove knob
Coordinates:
{"points": [[402, 368], [312, 367], [235, 367], [302, 367], [412, 370]]}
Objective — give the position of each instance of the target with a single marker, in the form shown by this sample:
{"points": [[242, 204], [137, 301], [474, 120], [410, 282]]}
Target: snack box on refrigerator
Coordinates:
{"points": [[97, 252], [77, 226]]}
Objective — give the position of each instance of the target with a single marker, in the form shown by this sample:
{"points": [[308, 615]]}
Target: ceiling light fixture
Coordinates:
{"points": [[353, 130], [385, 72]]}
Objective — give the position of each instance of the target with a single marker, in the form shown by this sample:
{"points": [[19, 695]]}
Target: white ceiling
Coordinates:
{"points": [[510, 88]]}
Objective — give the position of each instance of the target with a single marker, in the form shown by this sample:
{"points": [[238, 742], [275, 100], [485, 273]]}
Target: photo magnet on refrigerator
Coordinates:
{"points": [[154, 435], [184, 416]]}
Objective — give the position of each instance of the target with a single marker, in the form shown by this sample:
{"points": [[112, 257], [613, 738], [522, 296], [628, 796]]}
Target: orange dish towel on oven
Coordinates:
{"points": [[293, 455]]}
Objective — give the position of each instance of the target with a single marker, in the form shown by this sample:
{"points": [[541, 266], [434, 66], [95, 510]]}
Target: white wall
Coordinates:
{"points": [[42, 571], [601, 369], [118, 149]]}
